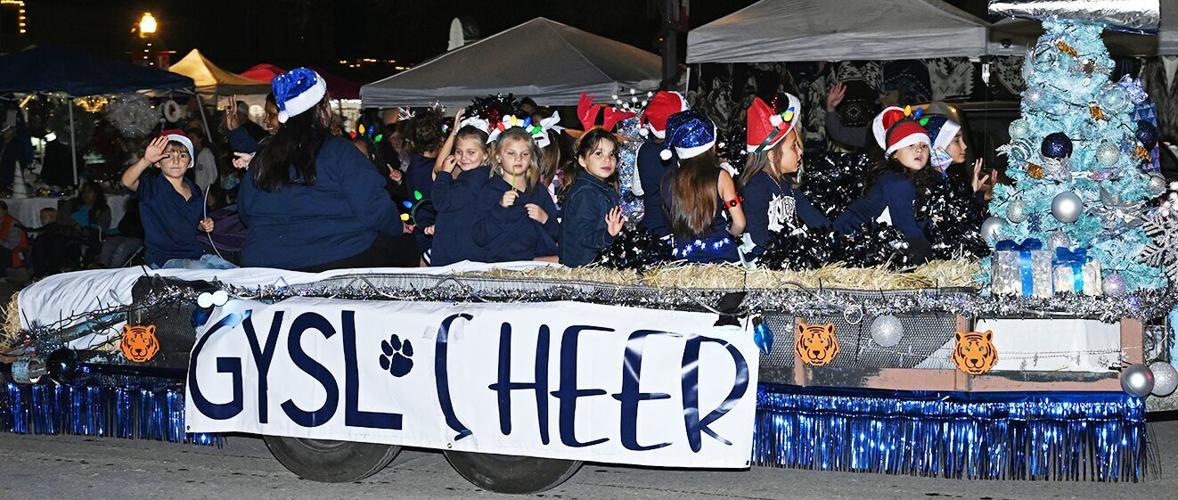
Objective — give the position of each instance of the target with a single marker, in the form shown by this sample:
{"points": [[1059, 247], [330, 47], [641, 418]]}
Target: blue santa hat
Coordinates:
{"points": [[296, 91], [690, 133], [941, 130]]}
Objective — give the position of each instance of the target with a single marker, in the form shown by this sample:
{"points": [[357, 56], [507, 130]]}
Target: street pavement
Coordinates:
{"points": [[98, 468]]}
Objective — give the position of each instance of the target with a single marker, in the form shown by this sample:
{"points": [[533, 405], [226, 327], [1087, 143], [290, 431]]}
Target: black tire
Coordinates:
{"points": [[512, 474], [330, 461]]}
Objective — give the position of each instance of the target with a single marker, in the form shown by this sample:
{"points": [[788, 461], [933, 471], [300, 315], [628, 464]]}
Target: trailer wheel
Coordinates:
{"points": [[512, 474], [330, 461]]}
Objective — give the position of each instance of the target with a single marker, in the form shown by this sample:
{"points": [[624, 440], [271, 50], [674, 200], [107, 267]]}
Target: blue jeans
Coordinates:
{"points": [[206, 261]]}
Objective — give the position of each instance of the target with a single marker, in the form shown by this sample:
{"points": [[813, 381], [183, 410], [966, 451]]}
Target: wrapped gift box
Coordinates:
{"points": [[1073, 271], [1022, 269]]}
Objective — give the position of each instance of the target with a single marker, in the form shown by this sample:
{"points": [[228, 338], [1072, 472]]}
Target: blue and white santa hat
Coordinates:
{"points": [[296, 91], [941, 130], [690, 133]]}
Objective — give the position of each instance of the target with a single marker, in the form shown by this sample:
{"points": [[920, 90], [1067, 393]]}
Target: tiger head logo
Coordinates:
{"points": [[816, 344], [139, 343], [975, 353]]}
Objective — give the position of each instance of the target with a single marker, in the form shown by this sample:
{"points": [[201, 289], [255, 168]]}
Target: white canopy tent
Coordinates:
{"points": [[1013, 36], [838, 30], [548, 61]]}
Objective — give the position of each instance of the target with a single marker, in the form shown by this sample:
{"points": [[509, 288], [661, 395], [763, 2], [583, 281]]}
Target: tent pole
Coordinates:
{"points": [[73, 141], [204, 121]]}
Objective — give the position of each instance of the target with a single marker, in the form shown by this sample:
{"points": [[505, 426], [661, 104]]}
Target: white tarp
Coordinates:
{"points": [[561, 380], [1013, 36], [548, 61], [838, 30]]}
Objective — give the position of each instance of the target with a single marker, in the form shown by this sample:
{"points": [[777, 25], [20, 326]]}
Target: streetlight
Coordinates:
{"points": [[147, 25]]}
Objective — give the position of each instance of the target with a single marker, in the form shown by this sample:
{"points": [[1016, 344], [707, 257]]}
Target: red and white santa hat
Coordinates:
{"points": [[767, 127], [896, 128], [664, 104], [179, 136]]}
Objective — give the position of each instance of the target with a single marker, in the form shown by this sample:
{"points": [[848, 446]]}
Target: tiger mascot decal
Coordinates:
{"points": [[975, 353], [139, 343], [816, 344]]}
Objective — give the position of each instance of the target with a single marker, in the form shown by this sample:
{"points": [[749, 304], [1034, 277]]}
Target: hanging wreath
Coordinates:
{"points": [[172, 111], [133, 115]]}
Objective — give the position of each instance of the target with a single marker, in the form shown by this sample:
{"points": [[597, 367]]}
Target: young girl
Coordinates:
{"points": [[891, 196], [518, 218], [459, 178], [591, 215], [767, 183], [948, 157], [652, 167], [698, 194]]}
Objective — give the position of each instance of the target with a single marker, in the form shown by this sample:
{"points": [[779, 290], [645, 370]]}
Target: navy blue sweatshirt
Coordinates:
{"points": [[891, 191], [456, 201], [419, 177], [766, 209], [583, 232], [652, 169], [508, 234], [299, 226]]}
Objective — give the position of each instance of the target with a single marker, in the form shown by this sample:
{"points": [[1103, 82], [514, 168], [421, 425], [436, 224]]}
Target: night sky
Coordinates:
{"points": [[237, 34]]}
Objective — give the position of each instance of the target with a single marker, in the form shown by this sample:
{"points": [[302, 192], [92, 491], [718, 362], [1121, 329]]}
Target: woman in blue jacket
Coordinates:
{"points": [[591, 217], [517, 216], [313, 202]]}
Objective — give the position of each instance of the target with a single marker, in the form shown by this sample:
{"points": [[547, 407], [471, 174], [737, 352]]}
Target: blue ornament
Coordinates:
{"points": [[1147, 134], [762, 335], [1056, 145]]}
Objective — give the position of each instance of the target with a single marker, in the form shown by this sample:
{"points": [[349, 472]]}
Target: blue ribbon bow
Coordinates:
{"points": [[1076, 260], [1026, 273]]}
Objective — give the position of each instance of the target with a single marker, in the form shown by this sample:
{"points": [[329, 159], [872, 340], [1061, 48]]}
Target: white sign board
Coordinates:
{"points": [[560, 380]]}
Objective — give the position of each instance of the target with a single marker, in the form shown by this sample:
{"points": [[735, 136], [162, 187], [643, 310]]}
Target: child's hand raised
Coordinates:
{"points": [[155, 150], [206, 225], [394, 174], [536, 213], [614, 221], [241, 161], [509, 198], [458, 120], [449, 163]]}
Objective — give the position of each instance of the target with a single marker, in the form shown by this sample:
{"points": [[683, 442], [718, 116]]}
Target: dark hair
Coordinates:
{"points": [[427, 132], [296, 144], [693, 194], [271, 100], [919, 178], [552, 155], [585, 147]]}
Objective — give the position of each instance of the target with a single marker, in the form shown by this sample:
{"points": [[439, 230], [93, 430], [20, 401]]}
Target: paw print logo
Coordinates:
{"points": [[396, 356]]}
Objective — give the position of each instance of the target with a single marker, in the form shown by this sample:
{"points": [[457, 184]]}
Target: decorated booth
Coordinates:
{"points": [[1025, 350]]}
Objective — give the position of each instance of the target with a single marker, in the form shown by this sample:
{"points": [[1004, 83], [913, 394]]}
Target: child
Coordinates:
{"points": [[651, 166], [426, 138], [460, 177], [891, 195], [518, 217], [171, 205], [774, 160], [948, 158], [699, 193], [589, 201]]}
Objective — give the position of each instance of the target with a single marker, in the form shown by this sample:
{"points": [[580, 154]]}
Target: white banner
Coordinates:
{"points": [[558, 380]]}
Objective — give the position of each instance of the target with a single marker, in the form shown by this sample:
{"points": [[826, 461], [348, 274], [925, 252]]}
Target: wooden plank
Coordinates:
{"points": [[911, 379], [801, 369], [1132, 340], [962, 381]]}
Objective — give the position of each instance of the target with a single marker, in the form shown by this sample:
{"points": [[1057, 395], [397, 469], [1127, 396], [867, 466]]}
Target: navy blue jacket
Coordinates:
{"points": [[583, 232], [299, 226], [170, 223], [763, 211], [652, 169], [508, 234], [456, 201], [419, 176], [891, 191]]}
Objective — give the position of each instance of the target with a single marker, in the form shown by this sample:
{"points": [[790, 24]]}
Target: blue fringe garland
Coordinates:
{"points": [[1012, 435], [123, 411]]}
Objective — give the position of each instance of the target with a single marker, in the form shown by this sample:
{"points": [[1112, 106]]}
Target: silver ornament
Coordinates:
{"points": [[1165, 378], [1058, 239], [1034, 95], [887, 330], [1113, 285], [1137, 380], [1108, 154], [1067, 207], [990, 229], [1016, 212], [1157, 185], [1019, 129]]}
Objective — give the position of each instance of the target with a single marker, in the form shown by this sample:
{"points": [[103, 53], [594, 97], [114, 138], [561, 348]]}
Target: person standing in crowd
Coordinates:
{"points": [[895, 182], [653, 168], [312, 202], [204, 168], [16, 148], [703, 207], [591, 217], [13, 238], [516, 215], [462, 172], [773, 167]]}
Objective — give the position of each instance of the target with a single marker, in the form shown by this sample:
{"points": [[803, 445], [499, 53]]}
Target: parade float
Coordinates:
{"points": [[1032, 361]]}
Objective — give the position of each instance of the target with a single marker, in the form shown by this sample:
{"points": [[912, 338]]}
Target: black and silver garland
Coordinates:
{"points": [[635, 249]]}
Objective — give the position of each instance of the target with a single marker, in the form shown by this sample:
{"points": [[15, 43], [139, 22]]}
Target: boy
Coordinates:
{"points": [[171, 205]]}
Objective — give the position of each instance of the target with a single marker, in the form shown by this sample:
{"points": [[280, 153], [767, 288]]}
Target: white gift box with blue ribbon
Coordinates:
{"points": [[1075, 272], [1022, 269]]}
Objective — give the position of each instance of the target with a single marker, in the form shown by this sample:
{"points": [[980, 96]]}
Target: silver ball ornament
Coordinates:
{"points": [[1137, 380], [1016, 212], [1058, 239], [1157, 185], [991, 227], [1113, 285], [1019, 129], [1067, 207], [1108, 154], [1034, 96], [887, 330], [1165, 378]]}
